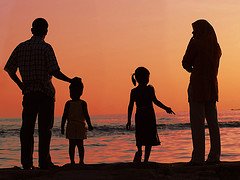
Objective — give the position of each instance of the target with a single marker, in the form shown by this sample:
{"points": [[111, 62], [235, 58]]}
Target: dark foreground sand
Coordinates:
{"points": [[129, 171]]}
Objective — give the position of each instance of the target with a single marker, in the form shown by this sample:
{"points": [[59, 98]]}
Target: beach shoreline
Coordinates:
{"points": [[151, 170]]}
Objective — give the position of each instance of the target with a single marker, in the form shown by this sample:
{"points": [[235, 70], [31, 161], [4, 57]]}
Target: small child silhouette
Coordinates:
{"points": [[76, 115], [145, 120]]}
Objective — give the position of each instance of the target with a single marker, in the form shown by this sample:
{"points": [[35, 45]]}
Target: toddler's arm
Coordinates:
{"points": [[64, 117], [87, 117]]}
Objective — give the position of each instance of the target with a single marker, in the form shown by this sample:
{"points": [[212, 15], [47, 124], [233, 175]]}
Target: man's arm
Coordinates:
{"points": [[12, 66], [52, 65], [16, 79], [59, 75]]}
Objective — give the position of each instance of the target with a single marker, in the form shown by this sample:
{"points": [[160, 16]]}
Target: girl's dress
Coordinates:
{"points": [[145, 119], [76, 124]]}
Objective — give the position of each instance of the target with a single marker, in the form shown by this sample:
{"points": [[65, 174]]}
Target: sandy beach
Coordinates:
{"points": [[152, 170]]}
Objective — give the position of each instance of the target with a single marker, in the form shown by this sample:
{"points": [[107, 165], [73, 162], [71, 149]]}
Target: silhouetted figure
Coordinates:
{"points": [[202, 60], [76, 115], [37, 63], [145, 121]]}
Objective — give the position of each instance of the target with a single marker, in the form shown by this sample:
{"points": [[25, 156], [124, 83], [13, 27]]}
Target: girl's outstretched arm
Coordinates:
{"points": [[130, 109], [64, 116], [87, 117], [161, 105]]}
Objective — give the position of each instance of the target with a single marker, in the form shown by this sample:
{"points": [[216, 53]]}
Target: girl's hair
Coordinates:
{"points": [[140, 75], [76, 88]]}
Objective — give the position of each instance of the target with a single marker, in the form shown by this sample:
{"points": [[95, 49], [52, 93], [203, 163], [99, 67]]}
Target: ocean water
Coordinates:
{"points": [[110, 142]]}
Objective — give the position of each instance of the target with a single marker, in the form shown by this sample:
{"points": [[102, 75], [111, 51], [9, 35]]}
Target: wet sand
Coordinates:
{"points": [[129, 171]]}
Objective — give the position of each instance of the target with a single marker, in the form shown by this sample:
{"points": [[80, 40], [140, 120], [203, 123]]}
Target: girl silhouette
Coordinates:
{"points": [[145, 121]]}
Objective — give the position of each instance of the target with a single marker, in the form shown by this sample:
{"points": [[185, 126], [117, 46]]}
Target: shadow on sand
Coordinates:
{"points": [[151, 170]]}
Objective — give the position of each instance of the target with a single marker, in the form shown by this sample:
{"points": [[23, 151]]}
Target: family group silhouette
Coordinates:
{"points": [[36, 61]]}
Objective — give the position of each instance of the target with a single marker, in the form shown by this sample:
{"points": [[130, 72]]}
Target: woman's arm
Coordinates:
{"points": [[188, 58]]}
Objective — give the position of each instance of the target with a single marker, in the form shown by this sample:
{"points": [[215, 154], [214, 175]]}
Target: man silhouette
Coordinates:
{"points": [[37, 63]]}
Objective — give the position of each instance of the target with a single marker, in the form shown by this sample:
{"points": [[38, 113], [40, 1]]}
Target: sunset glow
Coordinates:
{"points": [[104, 41]]}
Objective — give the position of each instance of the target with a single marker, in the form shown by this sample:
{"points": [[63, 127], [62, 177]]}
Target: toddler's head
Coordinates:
{"points": [[141, 75], [76, 88]]}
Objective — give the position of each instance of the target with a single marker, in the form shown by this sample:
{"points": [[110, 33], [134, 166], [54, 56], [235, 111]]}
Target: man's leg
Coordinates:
{"points": [[45, 124], [29, 114], [197, 118]]}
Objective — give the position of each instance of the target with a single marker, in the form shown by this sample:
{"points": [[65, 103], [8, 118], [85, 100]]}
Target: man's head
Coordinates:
{"points": [[39, 27]]}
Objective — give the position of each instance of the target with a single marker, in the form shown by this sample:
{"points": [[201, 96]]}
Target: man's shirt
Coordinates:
{"points": [[36, 61]]}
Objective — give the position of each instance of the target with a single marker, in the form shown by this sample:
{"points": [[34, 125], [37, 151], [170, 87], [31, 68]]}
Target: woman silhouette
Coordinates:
{"points": [[202, 61]]}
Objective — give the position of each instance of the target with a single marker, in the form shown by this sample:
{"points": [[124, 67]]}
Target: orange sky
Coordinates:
{"points": [[103, 41]]}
